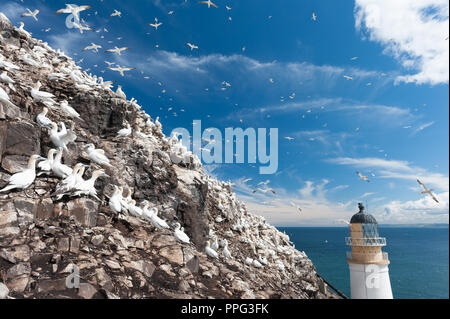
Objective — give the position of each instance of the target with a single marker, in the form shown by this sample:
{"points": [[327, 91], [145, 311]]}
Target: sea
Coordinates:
{"points": [[419, 267]]}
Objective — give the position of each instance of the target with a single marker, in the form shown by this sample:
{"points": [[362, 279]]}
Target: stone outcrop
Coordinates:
{"points": [[44, 241]]}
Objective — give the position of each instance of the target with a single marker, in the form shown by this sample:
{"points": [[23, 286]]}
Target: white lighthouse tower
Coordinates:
{"points": [[369, 272]]}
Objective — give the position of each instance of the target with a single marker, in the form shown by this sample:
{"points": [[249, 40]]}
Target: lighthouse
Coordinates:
{"points": [[369, 272]]}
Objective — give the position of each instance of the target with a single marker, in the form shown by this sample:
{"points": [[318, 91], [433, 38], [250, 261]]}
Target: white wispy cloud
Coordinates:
{"points": [[413, 32], [12, 10]]}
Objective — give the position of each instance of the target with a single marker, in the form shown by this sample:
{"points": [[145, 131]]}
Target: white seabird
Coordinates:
{"points": [[46, 166], [152, 216], [225, 251], [74, 10], [97, 155], [68, 110], [180, 235], [4, 98], [120, 93], [114, 201], [125, 132], [61, 138], [26, 177], [6, 79], [59, 169], [88, 187], [211, 252], [40, 96], [134, 210], [68, 184], [43, 120]]}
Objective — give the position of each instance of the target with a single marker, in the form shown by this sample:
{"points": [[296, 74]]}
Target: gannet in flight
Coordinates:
{"points": [[97, 155], [121, 70], [427, 191], [170, 12], [192, 46], [209, 3], [156, 24], [74, 10], [93, 46], [180, 235], [6, 79], [4, 98], [81, 27], [26, 177], [43, 120], [117, 50], [314, 17], [361, 176], [342, 221], [68, 110], [31, 14], [348, 77], [298, 208], [211, 252], [264, 191], [125, 132], [116, 13], [354, 58], [289, 138], [228, 8]]}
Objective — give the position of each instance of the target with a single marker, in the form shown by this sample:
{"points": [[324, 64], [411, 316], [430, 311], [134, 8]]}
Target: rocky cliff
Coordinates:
{"points": [[42, 239]]}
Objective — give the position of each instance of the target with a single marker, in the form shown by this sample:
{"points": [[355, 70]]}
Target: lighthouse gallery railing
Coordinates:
{"points": [[378, 241]]}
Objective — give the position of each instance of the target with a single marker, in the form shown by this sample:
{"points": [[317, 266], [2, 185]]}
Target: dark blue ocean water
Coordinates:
{"points": [[419, 258]]}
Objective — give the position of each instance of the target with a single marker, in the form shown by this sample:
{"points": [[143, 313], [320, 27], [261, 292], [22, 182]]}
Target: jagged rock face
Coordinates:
{"points": [[41, 238]]}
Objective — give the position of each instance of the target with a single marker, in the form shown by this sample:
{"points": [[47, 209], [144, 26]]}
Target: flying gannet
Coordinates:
{"points": [[26, 177], [363, 177], [74, 10], [116, 13], [192, 46], [117, 50], [156, 24], [30, 13], [294, 205], [427, 191], [264, 191], [121, 70], [314, 16], [93, 46], [209, 3]]}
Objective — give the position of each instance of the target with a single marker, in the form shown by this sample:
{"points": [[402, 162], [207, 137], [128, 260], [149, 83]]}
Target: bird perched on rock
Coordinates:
{"points": [[115, 201], [59, 169], [211, 252], [4, 98], [43, 120], [68, 110], [6, 79], [61, 138], [97, 155], [41, 96], [26, 177], [87, 187], [180, 235], [225, 251], [152, 216], [120, 93], [125, 132], [68, 184], [46, 166]]}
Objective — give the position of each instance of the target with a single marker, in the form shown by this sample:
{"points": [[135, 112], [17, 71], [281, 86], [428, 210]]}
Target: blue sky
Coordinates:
{"points": [[390, 121]]}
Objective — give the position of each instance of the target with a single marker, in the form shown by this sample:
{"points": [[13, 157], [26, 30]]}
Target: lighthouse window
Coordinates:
{"points": [[370, 233]]}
